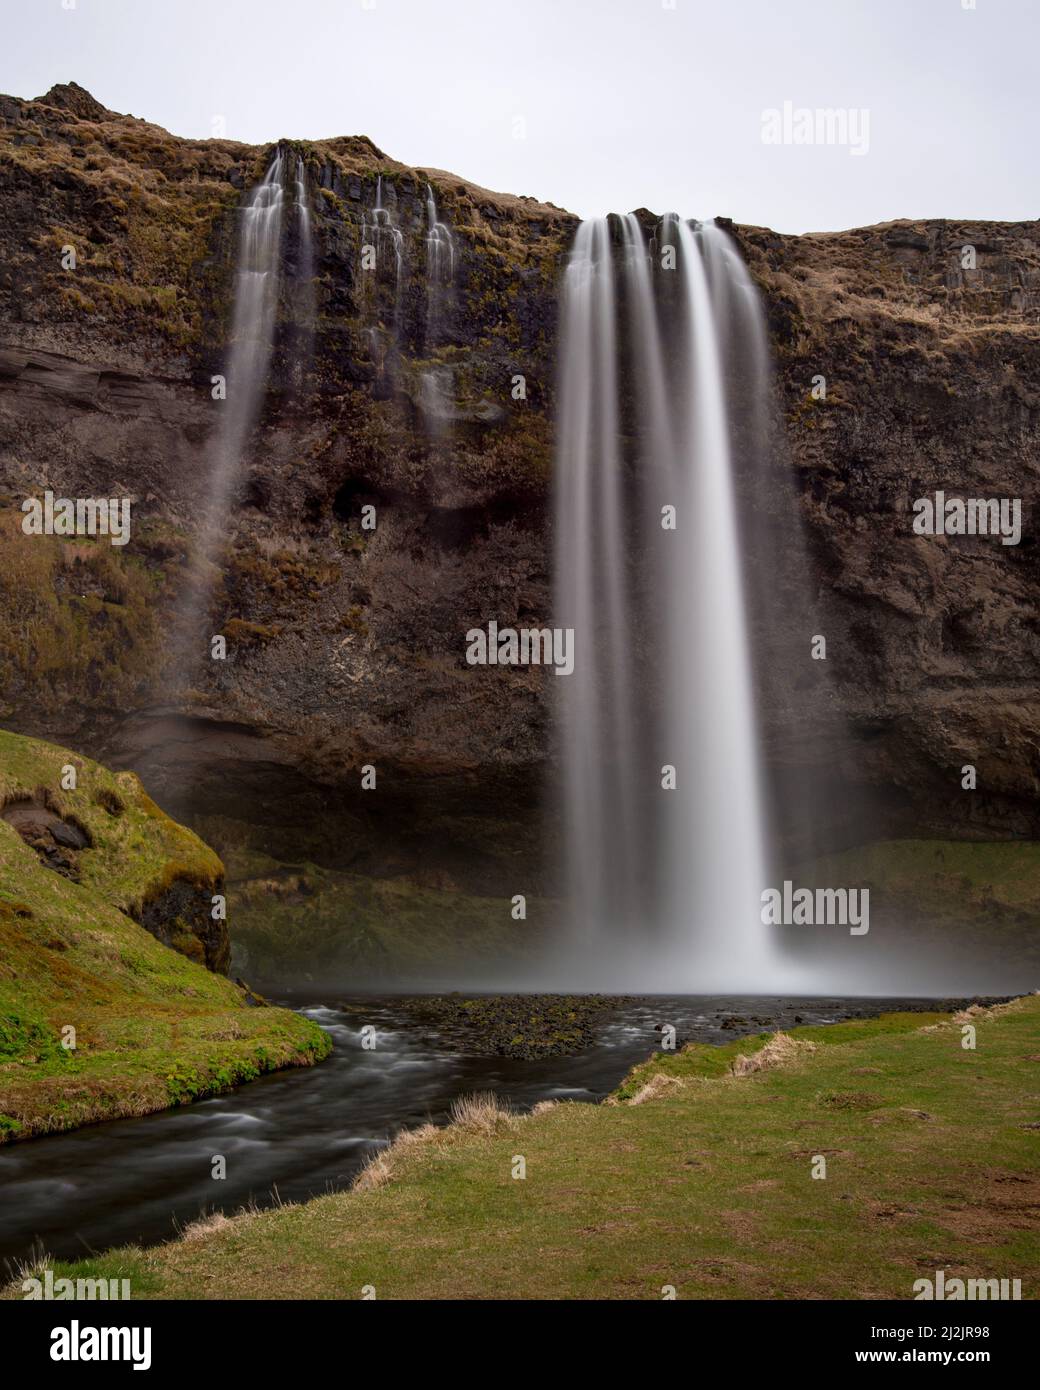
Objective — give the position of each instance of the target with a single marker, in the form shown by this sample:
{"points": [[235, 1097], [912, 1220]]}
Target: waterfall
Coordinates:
{"points": [[303, 215], [305, 302], [252, 326], [600, 760], [665, 869], [382, 230], [437, 384], [376, 237], [440, 247], [254, 313], [440, 268]]}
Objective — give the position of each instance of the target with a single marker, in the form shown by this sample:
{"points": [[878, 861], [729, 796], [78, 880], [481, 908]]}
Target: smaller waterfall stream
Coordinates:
{"points": [[303, 214], [255, 308], [437, 386], [440, 268], [303, 308], [380, 233], [378, 237]]}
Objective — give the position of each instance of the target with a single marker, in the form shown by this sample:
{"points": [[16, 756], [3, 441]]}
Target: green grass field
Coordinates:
{"points": [[705, 1185]]}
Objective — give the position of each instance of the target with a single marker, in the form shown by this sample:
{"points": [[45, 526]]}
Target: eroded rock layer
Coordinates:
{"points": [[345, 645]]}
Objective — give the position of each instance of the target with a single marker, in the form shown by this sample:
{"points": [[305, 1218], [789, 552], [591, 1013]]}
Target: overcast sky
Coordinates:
{"points": [[596, 105]]}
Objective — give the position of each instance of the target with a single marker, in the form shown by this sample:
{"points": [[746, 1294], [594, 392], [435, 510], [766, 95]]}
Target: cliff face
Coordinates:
{"points": [[346, 646], [932, 383]]}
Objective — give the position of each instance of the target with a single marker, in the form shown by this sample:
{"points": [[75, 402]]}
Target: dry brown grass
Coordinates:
{"points": [[780, 1050], [206, 1226], [480, 1113], [385, 1165], [658, 1084], [477, 1114]]}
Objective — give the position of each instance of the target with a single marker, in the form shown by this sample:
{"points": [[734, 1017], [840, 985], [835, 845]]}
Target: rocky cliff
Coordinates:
{"points": [[346, 645]]}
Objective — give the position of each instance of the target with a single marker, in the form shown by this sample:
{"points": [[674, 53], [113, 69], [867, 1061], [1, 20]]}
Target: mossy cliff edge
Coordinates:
{"points": [[99, 1018]]}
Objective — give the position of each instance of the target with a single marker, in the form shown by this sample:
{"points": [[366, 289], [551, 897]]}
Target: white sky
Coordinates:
{"points": [[627, 103]]}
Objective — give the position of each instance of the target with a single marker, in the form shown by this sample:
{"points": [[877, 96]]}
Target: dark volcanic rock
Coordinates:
{"points": [[346, 646], [181, 917], [514, 1025]]}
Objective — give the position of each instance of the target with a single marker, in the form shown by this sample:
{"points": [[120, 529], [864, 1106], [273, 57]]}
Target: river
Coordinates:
{"points": [[297, 1134]]}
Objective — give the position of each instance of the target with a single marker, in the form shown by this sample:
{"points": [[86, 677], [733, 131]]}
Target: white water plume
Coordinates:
{"points": [[382, 233], [305, 299], [254, 312], [440, 269], [303, 214], [665, 882]]}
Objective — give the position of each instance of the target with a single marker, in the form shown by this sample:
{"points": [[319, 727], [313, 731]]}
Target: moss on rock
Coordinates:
{"points": [[98, 1019]]}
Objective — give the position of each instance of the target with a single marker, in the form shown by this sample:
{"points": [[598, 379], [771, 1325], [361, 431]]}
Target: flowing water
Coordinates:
{"points": [[386, 240], [304, 300], [255, 309], [440, 270], [437, 384], [381, 275], [303, 214], [306, 1132], [665, 847]]}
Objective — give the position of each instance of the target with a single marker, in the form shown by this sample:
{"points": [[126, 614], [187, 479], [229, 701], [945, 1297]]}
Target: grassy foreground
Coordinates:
{"points": [[152, 1027], [696, 1177]]}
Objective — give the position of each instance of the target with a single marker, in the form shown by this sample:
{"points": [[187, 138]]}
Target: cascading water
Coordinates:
{"points": [[303, 214], [305, 304], [600, 760], [377, 237], [437, 384], [440, 268], [252, 326], [664, 827], [254, 314], [380, 232]]}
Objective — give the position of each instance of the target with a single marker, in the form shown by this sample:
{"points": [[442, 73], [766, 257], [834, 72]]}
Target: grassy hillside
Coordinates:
{"points": [[696, 1177], [152, 1027]]}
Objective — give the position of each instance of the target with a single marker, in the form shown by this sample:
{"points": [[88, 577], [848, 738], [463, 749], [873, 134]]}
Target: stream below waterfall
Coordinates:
{"points": [[300, 1133]]}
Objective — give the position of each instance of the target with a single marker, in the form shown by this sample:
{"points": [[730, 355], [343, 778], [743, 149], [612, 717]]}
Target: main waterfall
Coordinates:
{"points": [[664, 826]]}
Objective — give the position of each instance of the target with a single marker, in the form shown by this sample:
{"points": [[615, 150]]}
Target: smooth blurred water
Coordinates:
{"points": [[664, 834]]}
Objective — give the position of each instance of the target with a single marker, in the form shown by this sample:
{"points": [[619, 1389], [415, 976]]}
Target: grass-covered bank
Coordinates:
{"points": [[704, 1184], [150, 1026]]}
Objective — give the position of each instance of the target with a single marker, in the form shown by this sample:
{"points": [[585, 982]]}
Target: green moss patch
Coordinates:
{"points": [[150, 1027]]}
